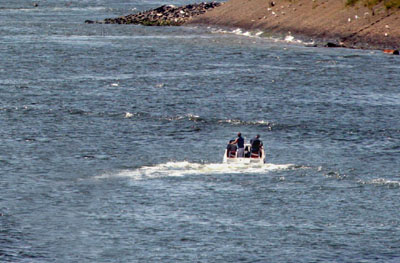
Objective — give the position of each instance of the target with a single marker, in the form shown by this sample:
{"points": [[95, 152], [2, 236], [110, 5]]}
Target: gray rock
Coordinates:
{"points": [[166, 15]]}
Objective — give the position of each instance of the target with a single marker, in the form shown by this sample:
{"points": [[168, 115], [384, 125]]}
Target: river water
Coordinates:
{"points": [[112, 139]]}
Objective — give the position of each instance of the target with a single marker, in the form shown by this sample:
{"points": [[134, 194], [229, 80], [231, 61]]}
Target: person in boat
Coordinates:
{"points": [[240, 145], [231, 149], [256, 146]]}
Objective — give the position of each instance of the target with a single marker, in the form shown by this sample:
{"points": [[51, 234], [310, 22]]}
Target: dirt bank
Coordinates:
{"points": [[320, 20]]}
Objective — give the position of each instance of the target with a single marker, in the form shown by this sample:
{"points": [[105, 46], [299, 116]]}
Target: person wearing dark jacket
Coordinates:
{"points": [[231, 149], [256, 145]]}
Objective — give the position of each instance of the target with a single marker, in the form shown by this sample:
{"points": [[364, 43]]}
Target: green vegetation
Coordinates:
{"points": [[371, 3], [392, 4]]}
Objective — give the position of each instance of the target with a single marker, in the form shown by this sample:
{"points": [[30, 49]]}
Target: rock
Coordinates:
{"points": [[166, 15], [331, 44]]}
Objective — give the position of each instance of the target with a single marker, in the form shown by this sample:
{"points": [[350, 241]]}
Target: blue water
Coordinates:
{"points": [[112, 139]]}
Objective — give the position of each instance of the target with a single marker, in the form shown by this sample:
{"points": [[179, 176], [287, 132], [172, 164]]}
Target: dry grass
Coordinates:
{"points": [[389, 4]]}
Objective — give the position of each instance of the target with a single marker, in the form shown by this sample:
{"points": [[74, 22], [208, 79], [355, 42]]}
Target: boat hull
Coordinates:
{"points": [[244, 160]]}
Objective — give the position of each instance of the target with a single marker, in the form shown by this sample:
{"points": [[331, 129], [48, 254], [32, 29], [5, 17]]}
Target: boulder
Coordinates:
{"points": [[166, 15]]}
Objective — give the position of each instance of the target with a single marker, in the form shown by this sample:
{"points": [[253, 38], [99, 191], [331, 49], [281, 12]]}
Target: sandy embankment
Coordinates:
{"points": [[319, 20]]}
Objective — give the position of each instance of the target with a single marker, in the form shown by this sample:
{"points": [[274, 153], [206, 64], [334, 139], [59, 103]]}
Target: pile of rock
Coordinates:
{"points": [[166, 15]]}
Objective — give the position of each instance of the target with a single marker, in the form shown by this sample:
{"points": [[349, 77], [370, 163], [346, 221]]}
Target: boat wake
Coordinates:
{"points": [[177, 169], [382, 182]]}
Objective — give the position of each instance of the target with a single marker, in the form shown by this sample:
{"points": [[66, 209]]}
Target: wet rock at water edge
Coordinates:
{"points": [[333, 45], [166, 15]]}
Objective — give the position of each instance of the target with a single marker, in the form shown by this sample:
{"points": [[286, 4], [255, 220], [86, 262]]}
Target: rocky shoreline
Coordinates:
{"points": [[166, 15], [328, 23]]}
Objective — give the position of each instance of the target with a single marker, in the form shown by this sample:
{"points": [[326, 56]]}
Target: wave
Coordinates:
{"points": [[251, 123], [146, 116], [260, 34], [204, 121], [89, 8], [190, 117], [179, 169], [382, 182], [237, 31], [197, 118], [56, 9]]}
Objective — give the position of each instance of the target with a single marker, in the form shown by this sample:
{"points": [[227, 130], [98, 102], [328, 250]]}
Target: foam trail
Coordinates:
{"points": [[384, 182], [259, 34], [238, 32], [177, 169]]}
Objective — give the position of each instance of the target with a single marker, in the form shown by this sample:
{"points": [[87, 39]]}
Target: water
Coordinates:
{"points": [[112, 140]]}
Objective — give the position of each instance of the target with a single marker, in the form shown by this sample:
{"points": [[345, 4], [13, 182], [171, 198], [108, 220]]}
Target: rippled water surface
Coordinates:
{"points": [[112, 141]]}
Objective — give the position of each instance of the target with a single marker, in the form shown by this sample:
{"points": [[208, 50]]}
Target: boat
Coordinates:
{"points": [[250, 158]]}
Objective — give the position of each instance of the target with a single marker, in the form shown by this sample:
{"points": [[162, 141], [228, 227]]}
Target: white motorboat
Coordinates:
{"points": [[256, 158]]}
